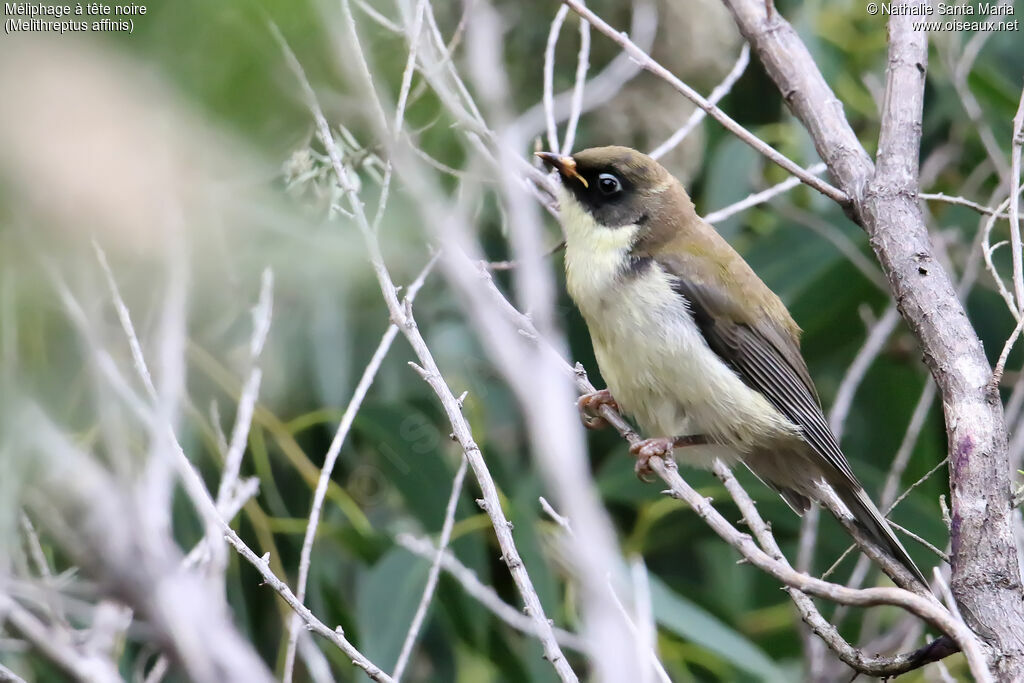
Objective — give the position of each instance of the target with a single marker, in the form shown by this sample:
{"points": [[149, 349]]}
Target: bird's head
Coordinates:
{"points": [[618, 187]]}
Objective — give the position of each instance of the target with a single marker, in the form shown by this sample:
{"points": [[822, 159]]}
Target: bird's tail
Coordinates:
{"points": [[877, 528]]}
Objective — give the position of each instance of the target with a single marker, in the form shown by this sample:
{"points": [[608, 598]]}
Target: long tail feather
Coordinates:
{"points": [[879, 530]]}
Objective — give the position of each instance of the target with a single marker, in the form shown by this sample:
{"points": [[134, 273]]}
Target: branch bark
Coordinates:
{"points": [[856, 658], [401, 316], [771, 559], [986, 574]]}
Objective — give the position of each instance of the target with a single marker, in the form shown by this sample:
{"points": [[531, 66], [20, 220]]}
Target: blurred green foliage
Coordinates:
{"points": [[718, 621]]}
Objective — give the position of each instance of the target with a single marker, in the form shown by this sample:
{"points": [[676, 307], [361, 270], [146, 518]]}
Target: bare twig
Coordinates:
{"points": [[988, 249], [247, 401], [926, 608], [960, 63], [331, 458], [549, 75], [336, 636], [403, 98], [739, 131], [8, 676], [58, 647], [997, 372], [435, 569], [862, 362], [899, 462], [605, 85], [644, 649], [644, 636], [761, 197], [961, 201], [856, 658], [431, 373], [582, 67], [553, 514], [720, 91], [842, 243], [1015, 244], [483, 594]]}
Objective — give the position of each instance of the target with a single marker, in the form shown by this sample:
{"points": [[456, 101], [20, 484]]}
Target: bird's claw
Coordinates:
{"points": [[660, 447], [590, 404]]}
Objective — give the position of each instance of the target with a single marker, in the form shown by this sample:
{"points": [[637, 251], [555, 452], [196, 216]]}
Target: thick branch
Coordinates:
{"points": [[986, 576]]}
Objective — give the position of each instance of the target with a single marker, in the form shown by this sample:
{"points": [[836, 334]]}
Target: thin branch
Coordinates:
{"points": [[400, 315], [938, 553], [862, 362], [698, 115], [250, 391], [761, 197], [432, 576], [645, 640], [603, 87], [403, 98], [8, 676], [925, 607], [582, 67], [190, 479], [887, 500], [997, 373], [988, 249], [959, 70], [739, 131], [644, 649], [484, 594], [58, 647], [842, 243], [331, 458], [549, 75], [126, 322], [1015, 244], [854, 657], [553, 514], [961, 201], [336, 636], [377, 16]]}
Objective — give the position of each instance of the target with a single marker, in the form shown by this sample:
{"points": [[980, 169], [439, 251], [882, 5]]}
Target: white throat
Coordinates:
{"points": [[594, 254]]}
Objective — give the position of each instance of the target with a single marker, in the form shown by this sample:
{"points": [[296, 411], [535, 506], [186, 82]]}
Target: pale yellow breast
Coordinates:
{"points": [[650, 352]]}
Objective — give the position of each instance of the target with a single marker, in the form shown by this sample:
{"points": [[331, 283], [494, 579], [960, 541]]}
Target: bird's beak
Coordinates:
{"points": [[565, 165]]}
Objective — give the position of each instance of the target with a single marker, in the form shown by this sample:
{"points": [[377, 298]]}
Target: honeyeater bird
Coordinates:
{"points": [[691, 343]]}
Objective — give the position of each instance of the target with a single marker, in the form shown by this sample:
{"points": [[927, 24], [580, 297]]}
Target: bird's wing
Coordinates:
{"points": [[768, 360]]}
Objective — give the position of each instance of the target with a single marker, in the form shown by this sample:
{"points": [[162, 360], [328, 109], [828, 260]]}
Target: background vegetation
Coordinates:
{"points": [[207, 85]]}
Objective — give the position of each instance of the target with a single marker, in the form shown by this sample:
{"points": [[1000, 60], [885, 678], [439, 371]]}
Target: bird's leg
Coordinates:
{"points": [[660, 447], [590, 404]]}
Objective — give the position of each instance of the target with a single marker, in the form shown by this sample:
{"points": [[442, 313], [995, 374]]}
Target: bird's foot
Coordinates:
{"points": [[660, 447], [590, 404]]}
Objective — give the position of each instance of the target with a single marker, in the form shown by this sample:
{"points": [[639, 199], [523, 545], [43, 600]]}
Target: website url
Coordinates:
{"points": [[967, 25]]}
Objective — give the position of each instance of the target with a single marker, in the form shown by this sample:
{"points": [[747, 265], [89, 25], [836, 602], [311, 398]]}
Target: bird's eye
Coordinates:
{"points": [[608, 184]]}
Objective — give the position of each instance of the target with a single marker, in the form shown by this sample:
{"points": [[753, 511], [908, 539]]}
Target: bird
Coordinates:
{"points": [[691, 343]]}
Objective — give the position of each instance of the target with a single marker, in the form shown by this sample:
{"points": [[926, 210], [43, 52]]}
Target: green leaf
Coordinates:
{"points": [[730, 179], [694, 624], [388, 595], [407, 453]]}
